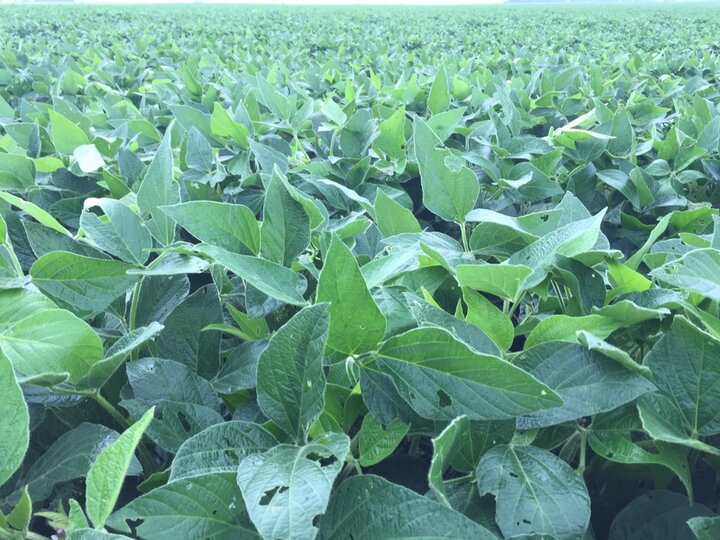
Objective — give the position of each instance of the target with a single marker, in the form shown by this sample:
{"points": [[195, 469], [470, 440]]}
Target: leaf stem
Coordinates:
{"points": [[132, 317], [459, 479], [583, 450], [463, 236]]}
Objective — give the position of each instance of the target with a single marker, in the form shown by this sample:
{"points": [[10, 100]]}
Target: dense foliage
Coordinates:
{"points": [[347, 273]]}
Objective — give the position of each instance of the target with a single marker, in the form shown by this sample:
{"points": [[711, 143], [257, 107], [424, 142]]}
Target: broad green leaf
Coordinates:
{"points": [[17, 173], [705, 528], [158, 188], [614, 437], [287, 487], [586, 381], [377, 441], [219, 449], [35, 211], [70, 457], [66, 135], [84, 285], [285, 231], [393, 218], [92, 534], [368, 507], [14, 422], [664, 421], [20, 516], [439, 97], [443, 449], [222, 125], [107, 474], [536, 492], [271, 278], [450, 188], [356, 323], [88, 158], [697, 271], [122, 233], [686, 367], [503, 280], [391, 138], [491, 320], [569, 240], [620, 356], [100, 372], [290, 377], [206, 506], [441, 378], [658, 514], [38, 338], [229, 226], [565, 328]]}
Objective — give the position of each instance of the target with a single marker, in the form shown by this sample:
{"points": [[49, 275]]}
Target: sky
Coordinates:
{"points": [[365, 2]]}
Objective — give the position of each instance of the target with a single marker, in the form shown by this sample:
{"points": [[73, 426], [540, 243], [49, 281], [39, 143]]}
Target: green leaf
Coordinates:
{"points": [[441, 378], [391, 139], [566, 327], [658, 514], [697, 271], [503, 280], [444, 446], [614, 436], [38, 338], [378, 441], [368, 507], [586, 381], [65, 135], [207, 506], [122, 233], [491, 320], [288, 486], [21, 515], [569, 240], [88, 158], [285, 231], [393, 218], [84, 285], [271, 278], [14, 422], [100, 372], [17, 172], [705, 528], [221, 125], [107, 474], [290, 377], [664, 421], [356, 323], [439, 97], [450, 189], [219, 449], [229, 226], [158, 188], [536, 492], [36, 212], [70, 457], [686, 367]]}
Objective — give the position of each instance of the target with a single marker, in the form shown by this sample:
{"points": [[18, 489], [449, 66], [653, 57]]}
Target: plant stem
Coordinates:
{"points": [[132, 317], [463, 236], [111, 410], [583, 449], [459, 479]]}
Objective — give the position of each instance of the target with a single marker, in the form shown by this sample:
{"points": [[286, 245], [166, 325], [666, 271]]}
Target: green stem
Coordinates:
{"points": [[110, 408], [134, 306], [463, 235], [459, 479], [583, 448], [516, 304], [15, 261]]}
